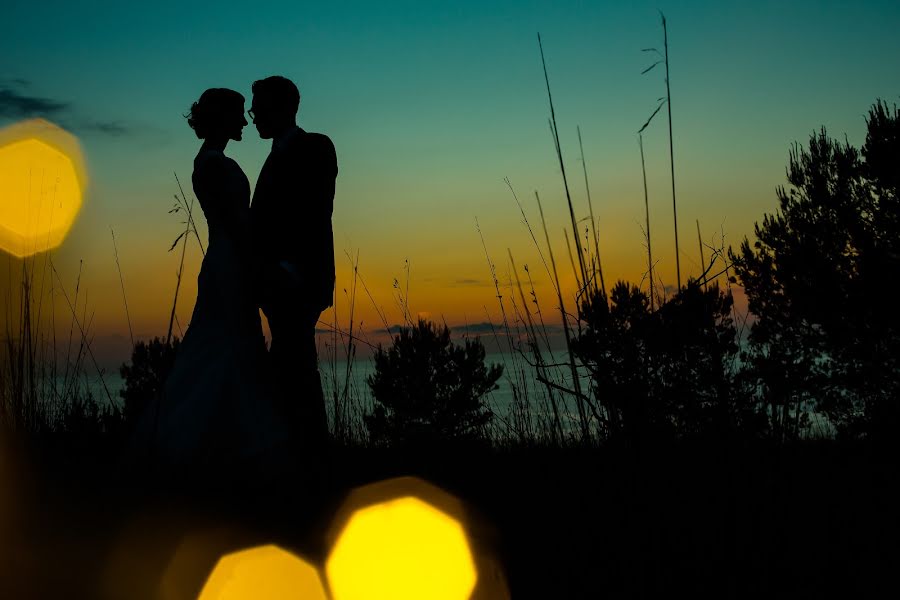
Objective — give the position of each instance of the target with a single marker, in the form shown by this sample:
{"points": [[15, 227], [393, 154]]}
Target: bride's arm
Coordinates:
{"points": [[235, 201]]}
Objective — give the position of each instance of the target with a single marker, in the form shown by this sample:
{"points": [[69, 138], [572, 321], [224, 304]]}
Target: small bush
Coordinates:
{"points": [[151, 363], [428, 390]]}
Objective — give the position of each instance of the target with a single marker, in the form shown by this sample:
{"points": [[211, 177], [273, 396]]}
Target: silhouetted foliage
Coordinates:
{"points": [[665, 374], [144, 377], [84, 416], [427, 389], [818, 279]]}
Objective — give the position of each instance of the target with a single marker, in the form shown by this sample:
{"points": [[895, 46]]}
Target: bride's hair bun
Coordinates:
{"points": [[210, 112]]}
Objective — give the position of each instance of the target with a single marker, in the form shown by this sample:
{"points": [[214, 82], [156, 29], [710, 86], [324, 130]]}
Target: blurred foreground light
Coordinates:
{"points": [[263, 572], [400, 539], [42, 181], [7, 486]]}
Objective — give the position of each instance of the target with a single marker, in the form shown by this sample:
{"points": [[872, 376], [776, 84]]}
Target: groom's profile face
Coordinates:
{"points": [[262, 114]]}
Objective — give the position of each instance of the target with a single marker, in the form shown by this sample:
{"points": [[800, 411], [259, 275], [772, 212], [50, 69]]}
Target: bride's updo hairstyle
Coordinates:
{"points": [[213, 110]]}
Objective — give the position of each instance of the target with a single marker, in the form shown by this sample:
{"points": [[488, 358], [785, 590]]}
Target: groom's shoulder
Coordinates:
{"points": [[318, 146], [319, 141]]}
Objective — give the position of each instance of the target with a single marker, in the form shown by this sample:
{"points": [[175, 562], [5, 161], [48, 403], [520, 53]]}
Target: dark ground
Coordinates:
{"points": [[814, 520]]}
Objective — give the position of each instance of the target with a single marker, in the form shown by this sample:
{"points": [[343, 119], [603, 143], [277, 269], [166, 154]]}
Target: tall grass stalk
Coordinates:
{"points": [[122, 282], [346, 406], [702, 260], [525, 403], [580, 285], [537, 310], [647, 214], [190, 215], [521, 420], [378, 310], [534, 343], [671, 145], [531, 233], [183, 237], [84, 337], [562, 165], [576, 383], [542, 378], [72, 323], [37, 395], [19, 387], [341, 423], [587, 189]]}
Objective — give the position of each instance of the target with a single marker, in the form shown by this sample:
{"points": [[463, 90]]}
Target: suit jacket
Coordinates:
{"points": [[291, 214]]}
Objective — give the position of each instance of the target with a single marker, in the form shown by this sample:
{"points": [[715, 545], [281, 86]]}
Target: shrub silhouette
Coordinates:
{"points": [[85, 416], [665, 374], [427, 389], [151, 363], [817, 278]]}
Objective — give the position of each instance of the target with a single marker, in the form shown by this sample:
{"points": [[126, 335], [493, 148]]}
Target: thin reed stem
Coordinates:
{"points": [[535, 348], [122, 282], [190, 213], [647, 213], [84, 338], [671, 150], [587, 188], [562, 165], [578, 284], [379, 311], [537, 309], [180, 271], [518, 404], [530, 231], [702, 260], [350, 352], [565, 322]]}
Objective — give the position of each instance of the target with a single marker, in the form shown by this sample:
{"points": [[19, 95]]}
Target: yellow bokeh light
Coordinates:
{"points": [[263, 572], [42, 181], [402, 548]]}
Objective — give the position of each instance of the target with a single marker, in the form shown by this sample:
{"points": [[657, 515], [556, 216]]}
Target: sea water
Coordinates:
{"points": [[346, 383]]}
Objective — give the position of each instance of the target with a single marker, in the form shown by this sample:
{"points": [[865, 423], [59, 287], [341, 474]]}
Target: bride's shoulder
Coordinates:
{"points": [[215, 163], [210, 159]]}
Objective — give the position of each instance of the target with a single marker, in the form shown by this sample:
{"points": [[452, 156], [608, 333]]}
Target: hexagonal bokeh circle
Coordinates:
{"points": [[42, 183], [389, 545], [263, 572]]}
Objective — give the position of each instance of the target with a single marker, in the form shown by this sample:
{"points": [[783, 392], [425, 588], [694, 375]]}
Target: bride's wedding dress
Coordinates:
{"points": [[217, 404]]}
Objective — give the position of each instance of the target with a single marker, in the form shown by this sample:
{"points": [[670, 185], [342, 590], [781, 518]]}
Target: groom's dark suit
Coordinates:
{"points": [[294, 252]]}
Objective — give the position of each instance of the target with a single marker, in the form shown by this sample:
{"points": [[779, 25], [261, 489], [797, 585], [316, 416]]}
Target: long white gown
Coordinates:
{"points": [[217, 406]]}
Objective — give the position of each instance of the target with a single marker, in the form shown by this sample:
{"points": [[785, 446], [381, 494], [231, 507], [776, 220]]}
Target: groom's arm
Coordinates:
{"points": [[310, 260], [307, 183], [322, 175], [321, 204]]}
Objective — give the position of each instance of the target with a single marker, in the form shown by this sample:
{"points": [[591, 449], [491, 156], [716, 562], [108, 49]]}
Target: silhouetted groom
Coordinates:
{"points": [[294, 246]]}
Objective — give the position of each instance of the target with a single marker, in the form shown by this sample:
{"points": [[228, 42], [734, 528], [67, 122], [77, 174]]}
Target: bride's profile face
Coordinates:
{"points": [[236, 122]]}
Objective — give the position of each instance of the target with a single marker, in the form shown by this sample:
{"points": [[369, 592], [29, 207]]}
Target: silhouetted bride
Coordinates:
{"points": [[216, 406]]}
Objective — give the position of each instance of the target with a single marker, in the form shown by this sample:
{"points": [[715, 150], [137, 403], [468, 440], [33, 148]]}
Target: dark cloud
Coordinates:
{"points": [[16, 104], [392, 330], [110, 128], [477, 328], [470, 281], [484, 327]]}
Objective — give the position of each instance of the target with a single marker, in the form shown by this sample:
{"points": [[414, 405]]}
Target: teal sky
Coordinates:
{"points": [[430, 106]]}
